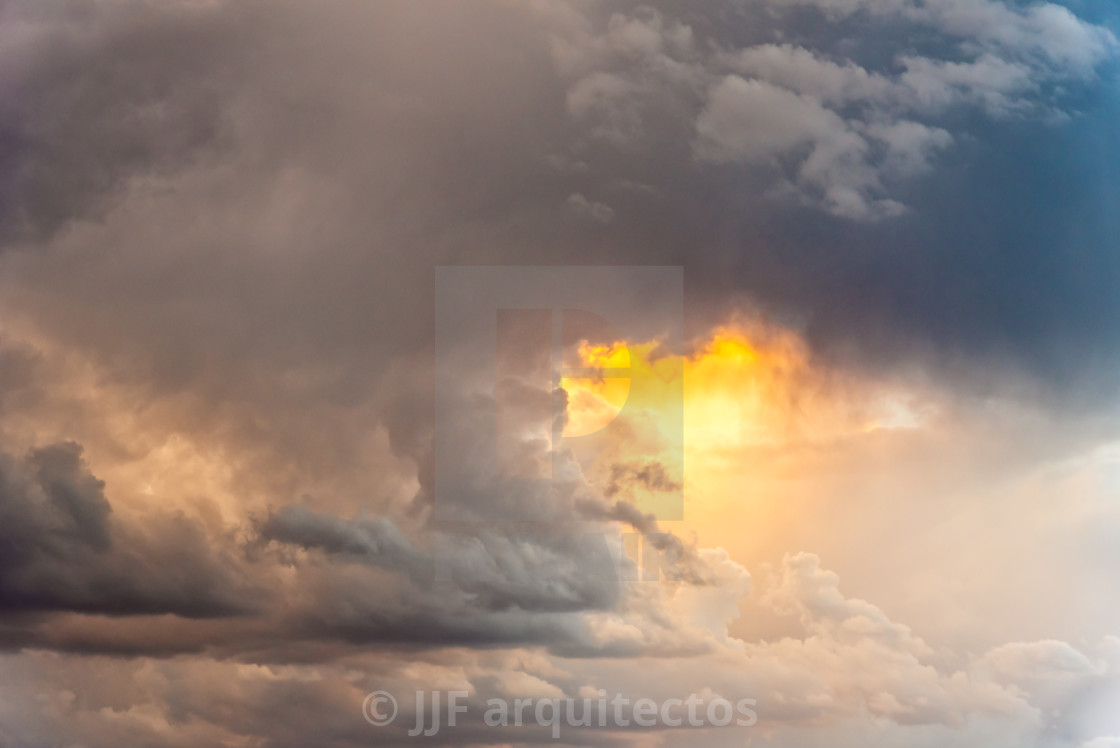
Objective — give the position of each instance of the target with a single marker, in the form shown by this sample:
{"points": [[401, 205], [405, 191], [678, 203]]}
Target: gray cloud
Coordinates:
{"points": [[60, 551], [469, 158], [95, 98], [229, 214]]}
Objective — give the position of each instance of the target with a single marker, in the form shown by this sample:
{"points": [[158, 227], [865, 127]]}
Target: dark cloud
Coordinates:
{"points": [[231, 213], [617, 134], [96, 96], [484, 585], [517, 140], [651, 476], [60, 550]]}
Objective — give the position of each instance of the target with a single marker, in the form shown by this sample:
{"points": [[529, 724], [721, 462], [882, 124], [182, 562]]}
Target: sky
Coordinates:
{"points": [[358, 346]]}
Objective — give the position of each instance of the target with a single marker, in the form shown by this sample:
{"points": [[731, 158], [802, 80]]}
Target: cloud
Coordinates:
{"points": [[596, 211], [221, 225], [1046, 30], [799, 69], [754, 121], [813, 593], [60, 551], [88, 106], [786, 98], [838, 680], [455, 159], [1105, 742], [651, 476]]}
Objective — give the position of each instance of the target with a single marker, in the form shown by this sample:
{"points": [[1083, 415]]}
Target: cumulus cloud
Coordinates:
{"points": [[61, 553], [755, 121], [1046, 30], [850, 661], [795, 102]]}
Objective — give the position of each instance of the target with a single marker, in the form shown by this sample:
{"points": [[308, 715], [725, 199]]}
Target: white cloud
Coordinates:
{"points": [[800, 70], [910, 145], [839, 134], [751, 120], [996, 85], [754, 121], [1047, 30], [594, 210], [1104, 742]]}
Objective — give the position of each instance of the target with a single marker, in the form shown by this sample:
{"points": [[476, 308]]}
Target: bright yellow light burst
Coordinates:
{"points": [[752, 393]]}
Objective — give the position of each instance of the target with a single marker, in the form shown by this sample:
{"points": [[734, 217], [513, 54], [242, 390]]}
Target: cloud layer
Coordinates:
{"points": [[219, 223]]}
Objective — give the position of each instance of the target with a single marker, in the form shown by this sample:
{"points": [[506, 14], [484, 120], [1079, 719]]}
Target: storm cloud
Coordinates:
{"points": [[219, 226]]}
